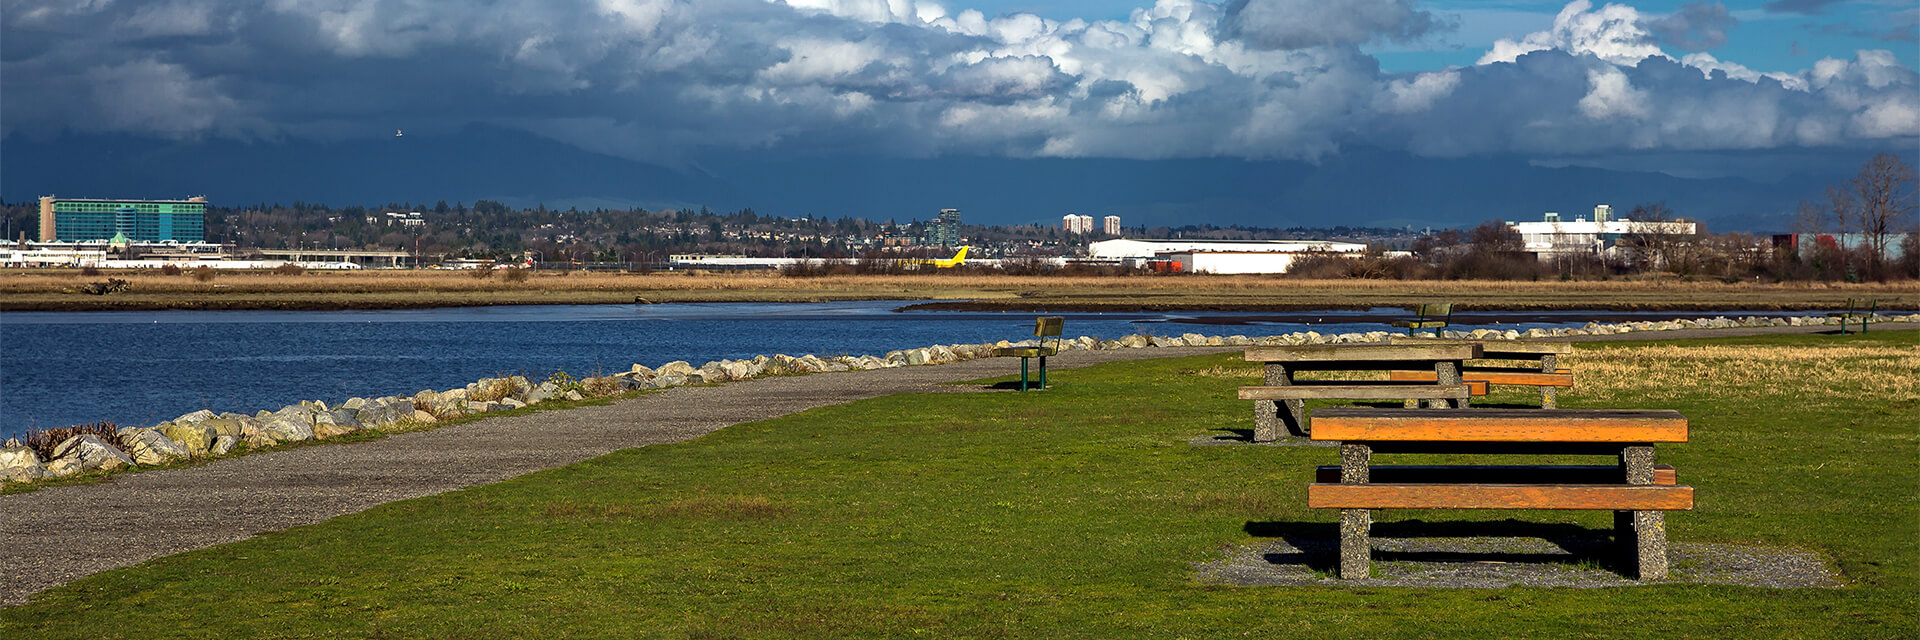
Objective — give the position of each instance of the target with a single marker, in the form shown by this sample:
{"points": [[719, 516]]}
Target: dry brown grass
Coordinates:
{"points": [[1841, 374], [52, 289]]}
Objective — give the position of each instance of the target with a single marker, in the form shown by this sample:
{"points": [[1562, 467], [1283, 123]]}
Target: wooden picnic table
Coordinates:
{"points": [[1283, 388], [1539, 365], [1638, 491]]}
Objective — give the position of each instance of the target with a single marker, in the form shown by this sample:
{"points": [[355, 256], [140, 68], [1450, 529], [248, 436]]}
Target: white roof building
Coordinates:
{"points": [[1221, 256], [1553, 238]]}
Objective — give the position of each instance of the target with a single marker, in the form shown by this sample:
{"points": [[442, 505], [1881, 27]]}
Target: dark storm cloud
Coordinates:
{"points": [[1298, 24], [1697, 26], [665, 80]]}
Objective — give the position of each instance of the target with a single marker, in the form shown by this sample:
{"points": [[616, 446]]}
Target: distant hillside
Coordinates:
{"points": [[1358, 187]]}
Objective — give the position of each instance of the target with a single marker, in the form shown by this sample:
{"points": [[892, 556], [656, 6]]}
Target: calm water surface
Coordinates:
{"points": [[141, 368]]}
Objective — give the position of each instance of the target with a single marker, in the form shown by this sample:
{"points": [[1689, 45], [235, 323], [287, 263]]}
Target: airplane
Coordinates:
{"points": [[942, 263]]}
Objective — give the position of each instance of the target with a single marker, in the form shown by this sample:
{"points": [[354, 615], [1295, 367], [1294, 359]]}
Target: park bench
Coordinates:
{"points": [[1537, 365], [1044, 328], [1638, 491], [1858, 309], [1432, 315], [1283, 388]]}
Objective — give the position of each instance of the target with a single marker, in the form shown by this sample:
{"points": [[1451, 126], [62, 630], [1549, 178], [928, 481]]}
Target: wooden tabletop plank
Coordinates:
{"points": [[1497, 474], [1500, 496], [1362, 352], [1503, 376], [1501, 349], [1354, 424], [1362, 391]]}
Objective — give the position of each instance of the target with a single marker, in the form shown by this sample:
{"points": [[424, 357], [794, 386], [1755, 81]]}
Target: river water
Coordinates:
{"points": [[141, 368]]}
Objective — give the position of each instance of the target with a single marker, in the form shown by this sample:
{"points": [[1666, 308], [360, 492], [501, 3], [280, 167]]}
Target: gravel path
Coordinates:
{"points": [[59, 534]]}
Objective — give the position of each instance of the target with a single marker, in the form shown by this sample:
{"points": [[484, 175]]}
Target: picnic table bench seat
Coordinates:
{"points": [[1636, 490]]}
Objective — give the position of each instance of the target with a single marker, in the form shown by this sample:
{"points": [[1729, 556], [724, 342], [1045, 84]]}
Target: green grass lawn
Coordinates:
{"points": [[1077, 512]]}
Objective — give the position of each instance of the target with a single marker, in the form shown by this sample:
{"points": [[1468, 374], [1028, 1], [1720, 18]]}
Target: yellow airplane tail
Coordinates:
{"points": [[957, 259]]}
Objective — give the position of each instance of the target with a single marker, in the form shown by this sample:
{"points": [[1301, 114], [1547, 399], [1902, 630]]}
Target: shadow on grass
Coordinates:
{"points": [[1316, 545]]}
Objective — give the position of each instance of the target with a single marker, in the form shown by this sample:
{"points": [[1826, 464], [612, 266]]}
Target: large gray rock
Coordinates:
{"points": [[1134, 341], [335, 423], [87, 452], [292, 424], [195, 437], [675, 368], [20, 464], [149, 446], [202, 415], [223, 445], [738, 370]]}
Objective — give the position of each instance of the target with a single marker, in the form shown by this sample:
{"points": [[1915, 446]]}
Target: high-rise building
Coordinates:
{"points": [[1071, 223], [1110, 225], [945, 229], [83, 219]]}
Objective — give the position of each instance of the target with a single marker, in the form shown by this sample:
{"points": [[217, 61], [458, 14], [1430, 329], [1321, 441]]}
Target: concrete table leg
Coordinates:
{"points": [[1649, 528], [1356, 525], [1356, 550], [1448, 373], [1267, 421], [1650, 544], [1549, 363]]}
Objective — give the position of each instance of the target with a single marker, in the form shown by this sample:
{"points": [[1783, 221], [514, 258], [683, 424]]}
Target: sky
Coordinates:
{"points": [[745, 93]]}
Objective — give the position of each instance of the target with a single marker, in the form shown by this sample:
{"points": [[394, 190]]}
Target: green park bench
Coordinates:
{"points": [[1044, 328], [1858, 309], [1432, 315]]}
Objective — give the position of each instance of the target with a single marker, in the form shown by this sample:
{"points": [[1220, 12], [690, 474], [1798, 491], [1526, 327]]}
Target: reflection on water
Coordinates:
{"points": [[140, 368]]}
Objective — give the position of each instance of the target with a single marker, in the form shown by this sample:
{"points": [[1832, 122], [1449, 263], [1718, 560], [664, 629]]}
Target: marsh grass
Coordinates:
{"points": [[1886, 373], [42, 288]]}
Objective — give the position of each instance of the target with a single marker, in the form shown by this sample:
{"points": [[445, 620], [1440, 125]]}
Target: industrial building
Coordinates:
{"points": [[1218, 256], [1552, 238], [92, 219]]}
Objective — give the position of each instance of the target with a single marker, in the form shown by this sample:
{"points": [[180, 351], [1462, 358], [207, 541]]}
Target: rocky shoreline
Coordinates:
{"points": [[204, 434]]}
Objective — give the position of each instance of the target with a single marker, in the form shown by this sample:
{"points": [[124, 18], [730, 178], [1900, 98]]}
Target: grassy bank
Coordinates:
{"points": [[1078, 512], [60, 290]]}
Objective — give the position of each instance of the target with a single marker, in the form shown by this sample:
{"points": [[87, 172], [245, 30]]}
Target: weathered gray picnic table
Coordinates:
{"points": [[1283, 388]]}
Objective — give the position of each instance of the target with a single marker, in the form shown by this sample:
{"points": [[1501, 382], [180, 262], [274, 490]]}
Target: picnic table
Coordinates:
{"points": [[1637, 490], [1281, 387], [1536, 364]]}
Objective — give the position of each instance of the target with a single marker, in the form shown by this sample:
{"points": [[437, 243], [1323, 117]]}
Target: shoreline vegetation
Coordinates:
{"points": [[146, 290]]}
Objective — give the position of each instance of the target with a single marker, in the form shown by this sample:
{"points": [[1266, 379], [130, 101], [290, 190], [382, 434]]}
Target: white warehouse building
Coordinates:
{"points": [[1219, 256], [1553, 238]]}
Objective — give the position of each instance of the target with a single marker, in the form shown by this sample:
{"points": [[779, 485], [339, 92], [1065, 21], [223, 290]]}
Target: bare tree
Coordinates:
{"points": [[1880, 203], [1648, 236]]}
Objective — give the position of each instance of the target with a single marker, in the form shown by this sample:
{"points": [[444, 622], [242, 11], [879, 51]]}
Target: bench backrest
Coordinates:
{"points": [[1867, 305], [1435, 311], [1046, 327]]}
